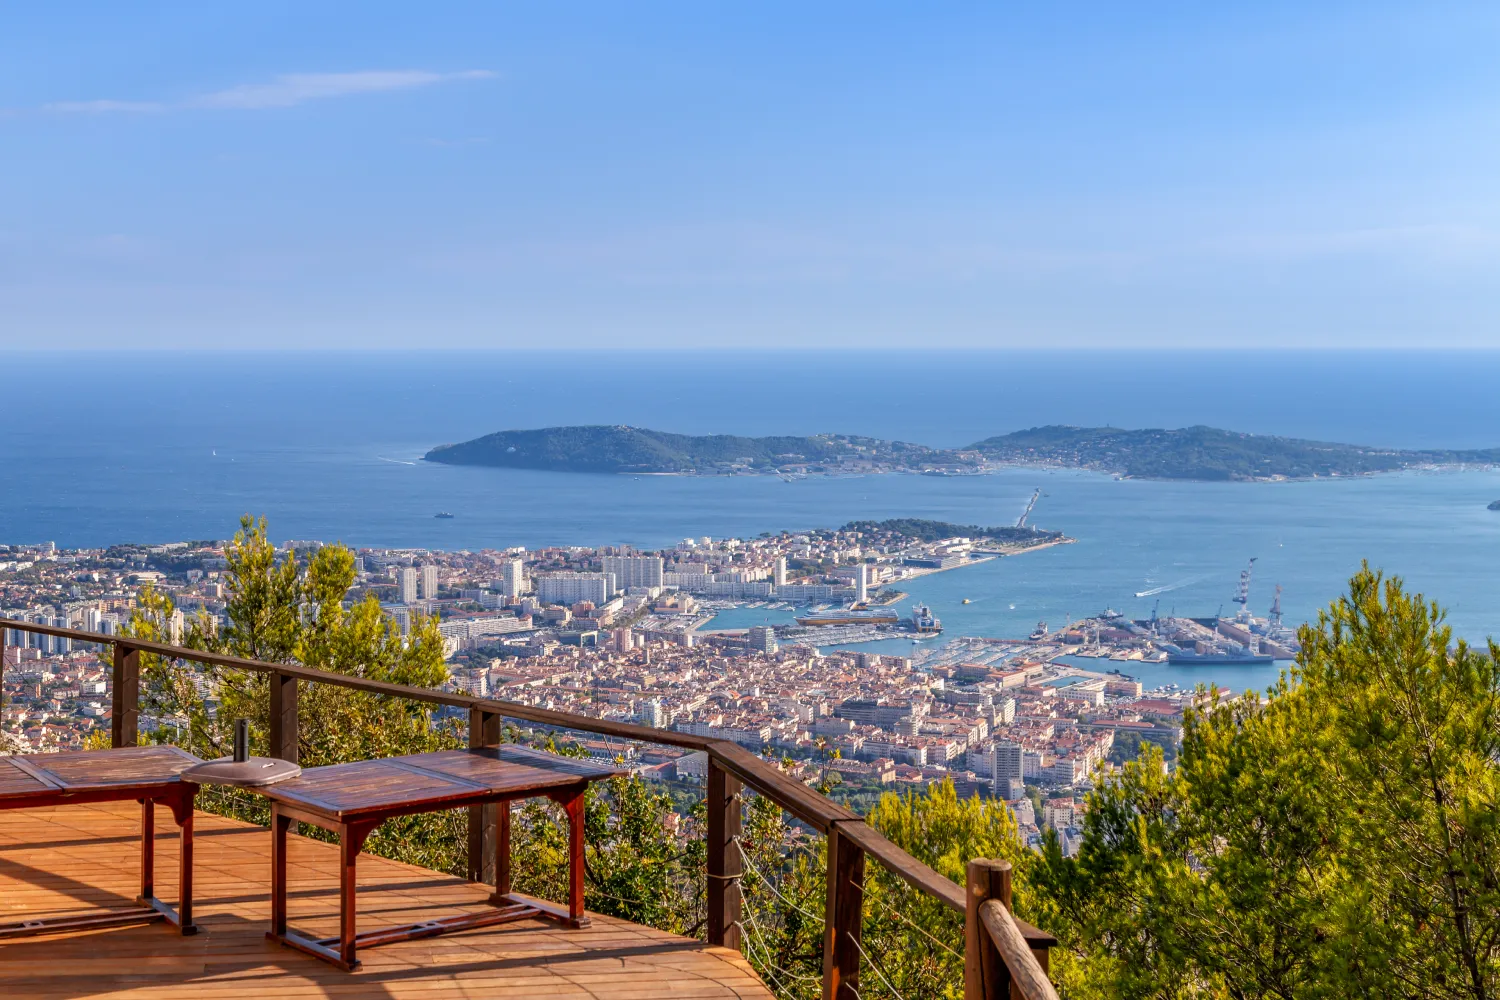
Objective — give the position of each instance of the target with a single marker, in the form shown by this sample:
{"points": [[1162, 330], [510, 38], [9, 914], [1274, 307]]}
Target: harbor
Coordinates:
{"points": [[1236, 651]]}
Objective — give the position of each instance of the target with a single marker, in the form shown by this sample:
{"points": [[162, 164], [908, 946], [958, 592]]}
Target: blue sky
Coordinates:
{"points": [[290, 175]]}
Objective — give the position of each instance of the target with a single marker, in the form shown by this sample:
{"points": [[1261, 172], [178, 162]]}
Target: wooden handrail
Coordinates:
{"points": [[1011, 965], [854, 837], [1026, 974], [924, 879], [815, 810]]}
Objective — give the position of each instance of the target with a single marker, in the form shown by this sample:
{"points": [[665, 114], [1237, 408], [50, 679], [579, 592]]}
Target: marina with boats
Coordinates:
{"points": [[1219, 648]]}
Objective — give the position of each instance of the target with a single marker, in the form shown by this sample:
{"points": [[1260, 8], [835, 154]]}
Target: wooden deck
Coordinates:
{"points": [[63, 860]]}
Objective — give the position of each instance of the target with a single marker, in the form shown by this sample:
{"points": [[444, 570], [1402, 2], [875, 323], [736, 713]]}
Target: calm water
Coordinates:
{"points": [[102, 448], [1189, 541]]}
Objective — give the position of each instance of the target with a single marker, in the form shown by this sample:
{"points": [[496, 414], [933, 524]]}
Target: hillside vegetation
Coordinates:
{"points": [[1200, 453], [635, 449], [1206, 453]]}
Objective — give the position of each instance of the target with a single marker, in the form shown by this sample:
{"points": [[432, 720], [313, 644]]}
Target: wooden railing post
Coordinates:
{"points": [[283, 716], [125, 697], [985, 974], [843, 917], [725, 864], [484, 731]]}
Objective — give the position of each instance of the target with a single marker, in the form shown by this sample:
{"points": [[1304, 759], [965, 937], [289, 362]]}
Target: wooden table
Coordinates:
{"points": [[147, 774], [353, 799]]}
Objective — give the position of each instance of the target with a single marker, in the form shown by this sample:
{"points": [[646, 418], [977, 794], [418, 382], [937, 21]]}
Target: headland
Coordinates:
{"points": [[1191, 453]]}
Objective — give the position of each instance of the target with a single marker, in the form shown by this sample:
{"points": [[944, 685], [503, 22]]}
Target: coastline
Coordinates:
{"points": [[915, 574], [978, 467], [995, 468], [987, 556]]}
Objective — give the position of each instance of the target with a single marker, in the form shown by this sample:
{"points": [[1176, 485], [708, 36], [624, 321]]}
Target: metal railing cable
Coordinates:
{"points": [[754, 933], [760, 876], [918, 928], [874, 965], [756, 936]]}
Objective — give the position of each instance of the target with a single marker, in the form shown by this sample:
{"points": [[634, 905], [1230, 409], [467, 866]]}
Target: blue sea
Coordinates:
{"points": [[100, 448]]}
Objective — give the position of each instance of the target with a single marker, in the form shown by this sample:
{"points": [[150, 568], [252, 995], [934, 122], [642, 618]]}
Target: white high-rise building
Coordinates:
{"points": [[571, 588], [861, 584], [634, 571], [406, 585], [651, 713], [61, 644], [513, 578], [763, 638], [778, 574], [1006, 762], [429, 582], [403, 618]]}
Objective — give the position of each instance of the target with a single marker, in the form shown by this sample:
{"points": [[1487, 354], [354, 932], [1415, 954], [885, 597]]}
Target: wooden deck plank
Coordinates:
{"points": [[69, 859]]}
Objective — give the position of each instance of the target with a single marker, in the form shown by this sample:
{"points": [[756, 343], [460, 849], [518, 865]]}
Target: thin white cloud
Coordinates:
{"points": [[298, 88], [284, 91], [103, 107]]}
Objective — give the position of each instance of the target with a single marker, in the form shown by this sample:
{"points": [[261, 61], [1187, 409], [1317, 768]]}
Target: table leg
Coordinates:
{"points": [[350, 841], [502, 849], [279, 826], [184, 819], [148, 850], [181, 804], [574, 807]]}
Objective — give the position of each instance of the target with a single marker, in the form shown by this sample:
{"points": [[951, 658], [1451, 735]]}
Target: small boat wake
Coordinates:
{"points": [[1173, 586], [394, 461]]}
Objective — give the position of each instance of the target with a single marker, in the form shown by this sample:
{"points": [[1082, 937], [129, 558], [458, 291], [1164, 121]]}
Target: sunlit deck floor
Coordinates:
{"points": [[60, 861]]}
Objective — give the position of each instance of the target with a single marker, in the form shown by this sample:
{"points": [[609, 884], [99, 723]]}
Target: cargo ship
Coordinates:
{"points": [[922, 620], [877, 617], [1225, 659], [1221, 657]]}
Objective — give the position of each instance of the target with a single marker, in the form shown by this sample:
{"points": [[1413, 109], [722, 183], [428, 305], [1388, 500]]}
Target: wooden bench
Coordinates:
{"points": [[146, 774], [353, 799]]}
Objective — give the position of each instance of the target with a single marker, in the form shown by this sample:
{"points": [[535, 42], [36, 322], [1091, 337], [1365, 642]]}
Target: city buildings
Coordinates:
{"points": [[406, 585], [512, 578], [634, 571], [1006, 764], [652, 713], [762, 639], [574, 588], [994, 716]]}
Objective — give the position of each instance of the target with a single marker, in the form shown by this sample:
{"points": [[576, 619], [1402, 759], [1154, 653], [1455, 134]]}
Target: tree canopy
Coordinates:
{"points": [[1336, 838]]}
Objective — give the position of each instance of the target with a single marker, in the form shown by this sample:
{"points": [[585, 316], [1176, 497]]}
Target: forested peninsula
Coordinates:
{"points": [[1191, 453], [635, 449]]}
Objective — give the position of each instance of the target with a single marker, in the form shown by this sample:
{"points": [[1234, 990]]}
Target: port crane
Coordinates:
{"points": [[1030, 505], [1242, 596], [1275, 615]]}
